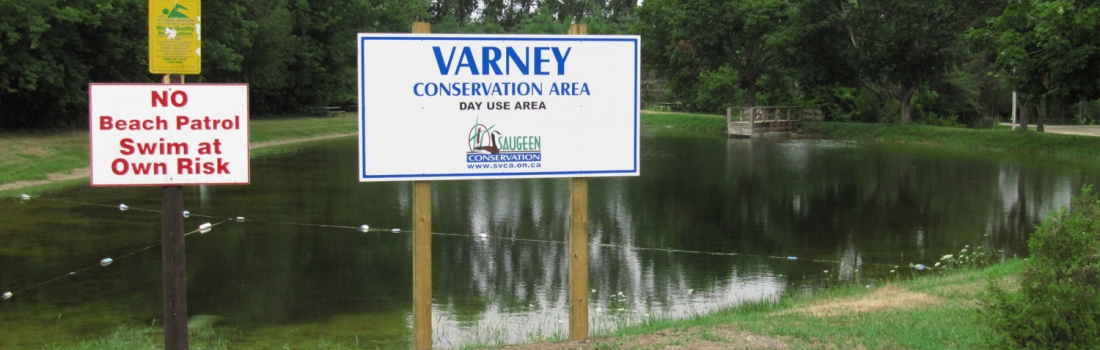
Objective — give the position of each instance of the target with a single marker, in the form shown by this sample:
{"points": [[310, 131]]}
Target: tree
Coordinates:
{"points": [[50, 50], [461, 10], [295, 53], [687, 38], [1048, 50], [895, 46]]}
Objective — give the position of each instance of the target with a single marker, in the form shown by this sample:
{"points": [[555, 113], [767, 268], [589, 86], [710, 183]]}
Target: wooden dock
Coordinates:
{"points": [[767, 121]]}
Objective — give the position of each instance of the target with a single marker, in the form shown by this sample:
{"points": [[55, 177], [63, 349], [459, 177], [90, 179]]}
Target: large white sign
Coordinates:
{"points": [[161, 135], [439, 107]]}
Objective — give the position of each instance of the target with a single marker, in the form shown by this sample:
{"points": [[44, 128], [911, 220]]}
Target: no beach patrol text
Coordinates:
{"points": [[193, 154]]}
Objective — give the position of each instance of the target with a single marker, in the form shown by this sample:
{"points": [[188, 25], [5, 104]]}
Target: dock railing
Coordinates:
{"points": [[768, 118], [755, 115]]}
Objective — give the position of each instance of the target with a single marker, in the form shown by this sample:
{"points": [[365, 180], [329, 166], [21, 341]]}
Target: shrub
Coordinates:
{"points": [[1058, 303]]}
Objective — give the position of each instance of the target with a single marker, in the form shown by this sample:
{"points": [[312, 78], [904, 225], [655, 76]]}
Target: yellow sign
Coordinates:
{"points": [[175, 38]]}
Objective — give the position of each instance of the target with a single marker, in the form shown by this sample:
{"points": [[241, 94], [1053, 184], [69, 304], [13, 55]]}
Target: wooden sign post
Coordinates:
{"points": [[422, 250], [578, 245], [173, 253]]}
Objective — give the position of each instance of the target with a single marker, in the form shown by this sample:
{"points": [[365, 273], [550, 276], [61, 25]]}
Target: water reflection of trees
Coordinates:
{"points": [[854, 206]]}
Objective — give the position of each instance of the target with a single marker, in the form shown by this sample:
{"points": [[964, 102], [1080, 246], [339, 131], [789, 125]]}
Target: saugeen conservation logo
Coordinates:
{"points": [[488, 145]]}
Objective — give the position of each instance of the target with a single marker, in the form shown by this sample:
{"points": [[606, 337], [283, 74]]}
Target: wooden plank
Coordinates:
{"points": [[578, 259], [578, 245], [422, 264], [422, 250], [578, 29], [173, 268], [173, 254]]}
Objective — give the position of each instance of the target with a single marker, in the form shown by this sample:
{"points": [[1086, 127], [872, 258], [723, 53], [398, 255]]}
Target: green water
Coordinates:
{"points": [[786, 216]]}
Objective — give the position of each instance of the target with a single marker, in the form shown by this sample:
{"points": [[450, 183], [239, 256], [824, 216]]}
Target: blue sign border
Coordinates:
{"points": [[502, 175]]}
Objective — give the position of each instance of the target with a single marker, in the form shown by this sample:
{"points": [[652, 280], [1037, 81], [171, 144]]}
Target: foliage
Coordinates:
{"points": [[1058, 306], [689, 41], [894, 47], [293, 53], [859, 60], [1048, 49], [50, 50]]}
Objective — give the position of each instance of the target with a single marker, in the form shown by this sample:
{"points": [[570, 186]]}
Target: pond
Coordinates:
{"points": [[711, 223]]}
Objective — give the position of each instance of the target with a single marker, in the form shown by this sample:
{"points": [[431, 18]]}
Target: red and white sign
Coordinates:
{"points": [[168, 135]]}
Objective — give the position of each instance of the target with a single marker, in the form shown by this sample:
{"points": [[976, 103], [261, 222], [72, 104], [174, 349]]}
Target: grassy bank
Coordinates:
{"points": [[30, 156], [33, 155], [701, 122], [938, 311], [1001, 138]]}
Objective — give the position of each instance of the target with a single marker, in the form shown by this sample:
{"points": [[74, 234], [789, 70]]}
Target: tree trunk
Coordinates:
{"points": [[906, 100], [1042, 111], [1023, 117], [750, 94]]}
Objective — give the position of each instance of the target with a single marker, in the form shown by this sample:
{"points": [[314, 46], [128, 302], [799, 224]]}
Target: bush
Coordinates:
{"points": [[1058, 304]]}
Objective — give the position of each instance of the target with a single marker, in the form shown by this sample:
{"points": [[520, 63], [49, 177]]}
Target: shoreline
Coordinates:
{"points": [[85, 172]]}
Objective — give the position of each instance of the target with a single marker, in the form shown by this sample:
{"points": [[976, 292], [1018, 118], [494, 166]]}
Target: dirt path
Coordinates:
{"points": [[1083, 130], [86, 172]]}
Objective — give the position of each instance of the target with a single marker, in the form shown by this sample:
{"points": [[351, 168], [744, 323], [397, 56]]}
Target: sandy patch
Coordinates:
{"points": [[699, 338], [50, 178], [886, 298], [650, 111], [86, 172]]}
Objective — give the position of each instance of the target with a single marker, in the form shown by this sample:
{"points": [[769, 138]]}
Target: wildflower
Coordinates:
{"points": [[937, 264], [946, 257]]}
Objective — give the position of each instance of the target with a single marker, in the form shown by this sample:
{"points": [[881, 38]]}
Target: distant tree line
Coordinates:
{"points": [[293, 53], [942, 62]]}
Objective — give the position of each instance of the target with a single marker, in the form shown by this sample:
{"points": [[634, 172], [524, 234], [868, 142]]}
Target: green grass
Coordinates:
{"points": [[1001, 138], [953, 322], [30, 156], [701, 122], [33, 155], [302, 127]]}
